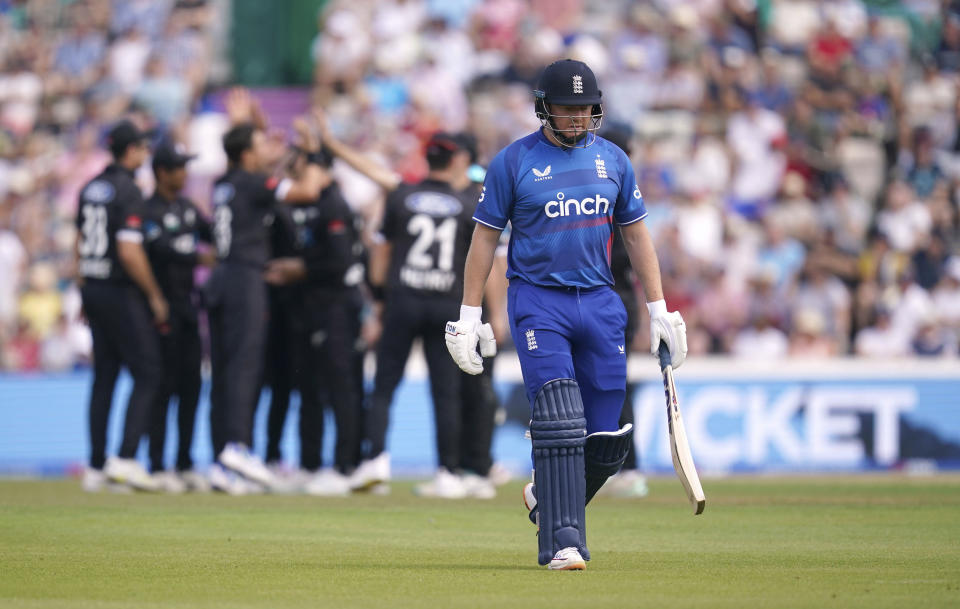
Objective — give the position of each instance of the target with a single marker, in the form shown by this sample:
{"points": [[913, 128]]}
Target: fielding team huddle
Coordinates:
{"points": [[561, 189]]}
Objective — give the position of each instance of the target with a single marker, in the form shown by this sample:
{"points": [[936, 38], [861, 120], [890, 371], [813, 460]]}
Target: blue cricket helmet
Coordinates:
{"points": [[569, 82]]}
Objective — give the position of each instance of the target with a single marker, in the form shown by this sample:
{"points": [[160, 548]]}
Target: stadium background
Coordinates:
{"points": [[800, 161]]}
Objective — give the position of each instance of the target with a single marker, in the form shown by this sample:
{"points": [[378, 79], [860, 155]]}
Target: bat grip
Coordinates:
{"points": [[664, 353]]}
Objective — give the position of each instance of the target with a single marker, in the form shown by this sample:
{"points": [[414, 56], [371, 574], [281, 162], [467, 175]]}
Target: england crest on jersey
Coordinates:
{"points": [[601, 168]]}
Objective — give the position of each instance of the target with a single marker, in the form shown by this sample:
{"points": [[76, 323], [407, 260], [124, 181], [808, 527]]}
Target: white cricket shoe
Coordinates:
{"points": [[371, 472], [478, 487], [380, 489], [627, 484], [227, 481], [130, 473], [170, 482], [328, 482], [195, 481], [567, 559], [93, 481], [239, 458], [445, 485], [289, 481], [279, 469]]}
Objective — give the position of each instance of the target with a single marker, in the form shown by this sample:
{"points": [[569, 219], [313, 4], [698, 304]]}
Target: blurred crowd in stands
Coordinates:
{"points": [[800, 159]]}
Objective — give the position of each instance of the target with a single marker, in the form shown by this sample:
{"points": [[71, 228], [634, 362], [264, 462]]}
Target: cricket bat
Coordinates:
{"points": [[679, 447]]}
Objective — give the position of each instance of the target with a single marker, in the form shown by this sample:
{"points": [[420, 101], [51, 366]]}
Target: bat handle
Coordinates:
{"points": [[664, 353]]}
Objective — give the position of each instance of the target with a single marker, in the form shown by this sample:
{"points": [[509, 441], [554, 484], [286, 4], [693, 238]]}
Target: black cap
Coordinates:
{"points": [[169, 156], [124, 134], [441, 147], [467, 142], [568, 82], [443, 141], [619, 135]]}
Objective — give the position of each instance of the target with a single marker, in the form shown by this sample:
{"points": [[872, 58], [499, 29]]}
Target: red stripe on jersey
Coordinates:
{"points": [[134, 221], [581, 224]]}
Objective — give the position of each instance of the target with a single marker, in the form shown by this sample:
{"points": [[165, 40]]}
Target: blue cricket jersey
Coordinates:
{"points": [[561, 203]]}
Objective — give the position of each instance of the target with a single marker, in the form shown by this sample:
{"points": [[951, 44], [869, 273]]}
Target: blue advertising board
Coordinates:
{"points": [[842, 415]]}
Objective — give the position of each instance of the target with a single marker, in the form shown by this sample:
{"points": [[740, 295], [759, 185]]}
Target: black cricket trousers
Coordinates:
{"points": [[237, 300], [325, 375], [284, 332], [123, 335], [406, 317], [478, 414], [181, 377]]}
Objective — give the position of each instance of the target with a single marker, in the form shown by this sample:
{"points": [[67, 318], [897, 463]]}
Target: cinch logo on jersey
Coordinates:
{"points": [[588, 206]]}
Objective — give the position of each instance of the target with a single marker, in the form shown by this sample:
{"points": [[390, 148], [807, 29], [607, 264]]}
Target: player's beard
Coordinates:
{"points": [[570, 141]]}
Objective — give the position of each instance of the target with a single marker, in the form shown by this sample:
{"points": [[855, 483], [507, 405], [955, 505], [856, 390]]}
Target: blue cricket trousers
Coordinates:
{"points": [[573, 333]]}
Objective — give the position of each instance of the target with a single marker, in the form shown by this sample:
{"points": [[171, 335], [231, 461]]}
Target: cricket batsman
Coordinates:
{"points": [[563, 188]]}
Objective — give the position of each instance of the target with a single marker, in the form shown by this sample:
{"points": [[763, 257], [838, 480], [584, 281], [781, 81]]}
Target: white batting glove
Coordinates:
{"points": [[463, 337], [669, 328], [487, 344]]}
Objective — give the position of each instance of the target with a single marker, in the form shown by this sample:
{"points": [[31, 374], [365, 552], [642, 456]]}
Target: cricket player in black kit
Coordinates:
{"points": [[123, 304], [328, 271], [236, 294], [284, 329], [173, 226], [425, 236], [479, 402], [630, 481]]}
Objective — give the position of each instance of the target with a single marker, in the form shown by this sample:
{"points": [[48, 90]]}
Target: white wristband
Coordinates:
{"points": [[468, 313], [657, 308]]}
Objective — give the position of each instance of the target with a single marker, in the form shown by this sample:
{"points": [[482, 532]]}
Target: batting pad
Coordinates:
{"points": [[604, 454], [558, 430]]}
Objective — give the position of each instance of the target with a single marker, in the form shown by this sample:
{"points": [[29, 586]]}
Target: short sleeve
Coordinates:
{"points": [[388, 228], [270, 189], [629, 207], [281, 190], [133, 212], [496, 197], [152, 222]]}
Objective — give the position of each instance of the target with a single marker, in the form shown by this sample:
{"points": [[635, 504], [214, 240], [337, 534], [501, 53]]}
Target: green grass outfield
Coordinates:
{"points": [[873, 541]]}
